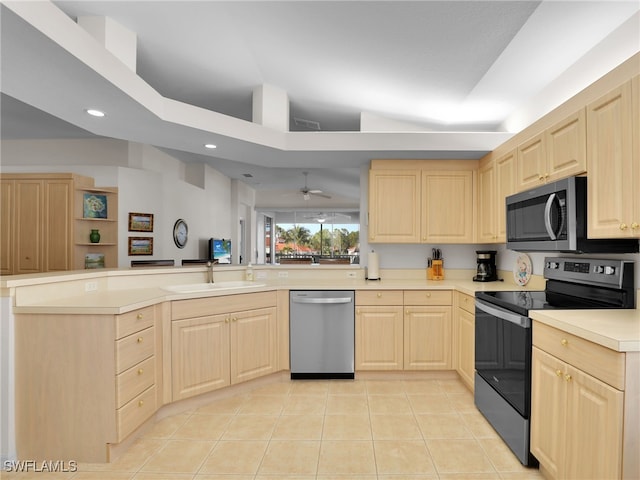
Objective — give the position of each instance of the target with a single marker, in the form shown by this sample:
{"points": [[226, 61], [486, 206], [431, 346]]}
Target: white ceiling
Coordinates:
{"points": [[447, 79]]}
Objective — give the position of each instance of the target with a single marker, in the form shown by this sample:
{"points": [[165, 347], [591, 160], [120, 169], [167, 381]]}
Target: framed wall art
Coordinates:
{"points": [[140, 245], [94, 206], [140, 222]]}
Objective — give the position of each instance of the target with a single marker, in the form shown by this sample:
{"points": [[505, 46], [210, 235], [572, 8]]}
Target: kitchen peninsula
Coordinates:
{"points": [[124, 389]]}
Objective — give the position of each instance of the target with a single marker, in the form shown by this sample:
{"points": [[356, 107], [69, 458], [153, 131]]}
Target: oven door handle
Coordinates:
{"points": [[524, 322]]}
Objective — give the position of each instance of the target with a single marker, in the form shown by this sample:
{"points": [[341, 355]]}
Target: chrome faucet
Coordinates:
{"points": [[209, 272]]}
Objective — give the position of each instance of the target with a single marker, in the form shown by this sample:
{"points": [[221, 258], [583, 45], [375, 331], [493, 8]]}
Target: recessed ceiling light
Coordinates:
{"points": [[95, 113], [210, 145]]}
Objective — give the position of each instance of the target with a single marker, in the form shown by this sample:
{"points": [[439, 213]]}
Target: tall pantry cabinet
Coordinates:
{"points": [[41, 224]]}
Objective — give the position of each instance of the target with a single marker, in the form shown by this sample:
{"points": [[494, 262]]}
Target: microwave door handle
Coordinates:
{"points": [[547, 216]]}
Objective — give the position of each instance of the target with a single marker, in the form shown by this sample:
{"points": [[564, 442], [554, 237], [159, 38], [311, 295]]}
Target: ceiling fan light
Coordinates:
{"points": [[306, 196]]}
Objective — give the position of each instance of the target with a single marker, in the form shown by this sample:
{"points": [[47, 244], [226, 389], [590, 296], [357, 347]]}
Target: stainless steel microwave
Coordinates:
{"points": [[553, 218]]}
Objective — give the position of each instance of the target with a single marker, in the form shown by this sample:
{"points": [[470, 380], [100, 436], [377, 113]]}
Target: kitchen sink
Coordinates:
{"points": [[212, 287]]}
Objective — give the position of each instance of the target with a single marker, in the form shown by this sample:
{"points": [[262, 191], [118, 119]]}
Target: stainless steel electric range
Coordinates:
{"points": [[503, 336]]}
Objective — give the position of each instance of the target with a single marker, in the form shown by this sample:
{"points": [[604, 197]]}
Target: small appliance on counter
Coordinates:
{"points": [[487, 271]]}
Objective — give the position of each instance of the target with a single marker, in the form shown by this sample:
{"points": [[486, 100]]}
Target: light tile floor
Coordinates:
{"points": [[324, 430]]}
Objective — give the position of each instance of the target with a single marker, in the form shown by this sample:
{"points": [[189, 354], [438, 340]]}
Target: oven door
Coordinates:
{"points": [[503, 354]]}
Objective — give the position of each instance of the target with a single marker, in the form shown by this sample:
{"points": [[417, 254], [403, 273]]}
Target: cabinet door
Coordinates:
{"points": [[447, 207], [58, 225], [199, 355], [427, 338], [379, 340], [566, 147], [7, 189], [548, 411], [487, 208], [252, 344], [394, 206], [594, 427], [506, 184], [610, 165], [532, 163], [29, 222], [466, 347]]}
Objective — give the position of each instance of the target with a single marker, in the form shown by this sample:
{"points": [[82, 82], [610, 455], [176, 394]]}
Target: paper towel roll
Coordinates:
{"points": [[373, 272]]}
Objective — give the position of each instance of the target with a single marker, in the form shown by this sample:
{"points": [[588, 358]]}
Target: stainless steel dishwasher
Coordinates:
{"points": [[321, 334]]}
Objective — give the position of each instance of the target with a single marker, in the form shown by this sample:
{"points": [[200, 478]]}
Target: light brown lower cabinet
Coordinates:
{"points": [[84, 382], [582, 424], [212, 351], [403, 330], [465, 325]]}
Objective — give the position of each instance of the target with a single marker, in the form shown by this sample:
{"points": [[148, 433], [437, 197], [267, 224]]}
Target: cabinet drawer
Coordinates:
{"points": [[603, 363], [132, 414], [466, 302], [135, 380], [133, 349], [427, 297], [134, 321], [379, 297], [202, 307]]}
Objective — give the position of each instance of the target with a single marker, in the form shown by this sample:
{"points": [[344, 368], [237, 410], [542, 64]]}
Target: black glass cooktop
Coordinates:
{"points": [[523, 301]]}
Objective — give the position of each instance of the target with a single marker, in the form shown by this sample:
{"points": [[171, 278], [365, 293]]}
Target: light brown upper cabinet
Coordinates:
{"points": [[429, 201], [447, 206], [558, 152], [496, 181], [613, 156], [394, 206]]}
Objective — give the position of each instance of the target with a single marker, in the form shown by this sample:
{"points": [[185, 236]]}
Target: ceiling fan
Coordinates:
{"points": [[307, 192]]}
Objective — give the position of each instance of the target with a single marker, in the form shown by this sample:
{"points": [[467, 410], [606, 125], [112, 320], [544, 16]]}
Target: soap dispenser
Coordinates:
{"points": [[249, 273]]}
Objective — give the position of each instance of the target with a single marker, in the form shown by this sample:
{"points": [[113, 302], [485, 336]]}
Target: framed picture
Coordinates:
{"points": [[94, 206], [140, 245], [94, 260], [140, 222]]}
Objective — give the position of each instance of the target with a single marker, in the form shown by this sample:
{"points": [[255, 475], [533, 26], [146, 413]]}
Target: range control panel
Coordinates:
{"points": [[590, 270]]}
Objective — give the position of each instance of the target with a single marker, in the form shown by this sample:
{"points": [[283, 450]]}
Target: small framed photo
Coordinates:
{"points": [[140, 245], [140, 222]]}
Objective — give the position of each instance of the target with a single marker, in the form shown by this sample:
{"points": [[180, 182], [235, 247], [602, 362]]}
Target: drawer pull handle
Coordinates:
{"points": [[564, 342], [139, 316], [379, 295], [140, 339], [141, 403], [567, 377], [559, 373], [140, 371]]}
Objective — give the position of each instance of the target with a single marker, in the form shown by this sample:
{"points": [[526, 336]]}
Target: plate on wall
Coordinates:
{"points": [[522, 269]]}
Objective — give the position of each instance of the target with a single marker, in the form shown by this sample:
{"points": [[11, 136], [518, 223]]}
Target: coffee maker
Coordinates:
{"points": [[487, 271]]}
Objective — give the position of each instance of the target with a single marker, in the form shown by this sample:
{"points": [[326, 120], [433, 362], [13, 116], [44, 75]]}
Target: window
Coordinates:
{"points": [[311, 236]]}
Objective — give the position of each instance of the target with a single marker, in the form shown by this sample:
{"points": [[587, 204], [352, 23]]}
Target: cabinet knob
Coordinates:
{"points": [[428, 294], [379, 295], [567, 377], [226, 320], [141, 403], [140, 339], [564, 342], [623, 226], [559, 373], [407, 311], [634, 225], [540, 177], [234, 319], [140, 371], [358, 311], [139, 316]]}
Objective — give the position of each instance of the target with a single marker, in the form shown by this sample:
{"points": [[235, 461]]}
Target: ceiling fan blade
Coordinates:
{"points": [[323, 195]]}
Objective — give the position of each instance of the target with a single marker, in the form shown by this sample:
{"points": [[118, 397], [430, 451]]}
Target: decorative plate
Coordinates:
{"points": [[522, 269]]}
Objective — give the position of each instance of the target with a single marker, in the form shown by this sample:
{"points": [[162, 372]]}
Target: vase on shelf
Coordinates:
{"points": [[94, 236]]}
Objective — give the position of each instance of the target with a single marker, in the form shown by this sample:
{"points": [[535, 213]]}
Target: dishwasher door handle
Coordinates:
{"points": [[321, 300]]}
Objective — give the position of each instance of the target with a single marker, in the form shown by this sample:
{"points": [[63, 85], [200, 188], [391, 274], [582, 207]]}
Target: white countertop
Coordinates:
{"points": [[615, 329]]}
